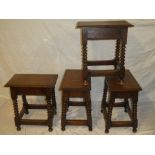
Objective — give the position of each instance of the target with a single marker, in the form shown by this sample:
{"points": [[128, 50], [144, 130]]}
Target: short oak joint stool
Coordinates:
{"points": [[33, 84], [72, 87], [113, 89]]}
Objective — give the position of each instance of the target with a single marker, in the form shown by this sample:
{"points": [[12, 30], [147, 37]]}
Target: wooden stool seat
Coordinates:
{"points": [[72, 87], [33, 84], [129, 89]]}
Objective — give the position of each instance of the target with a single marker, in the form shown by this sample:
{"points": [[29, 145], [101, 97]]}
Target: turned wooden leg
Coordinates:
{"points": [[25, 104], [49, 111], [16, 111], [54, 101], [67, 105], [84, 61], [88, 110], [109, 114], [134, 113], [122, 61], [103, 104], [64, 109], [117, 53], [126, 105]]}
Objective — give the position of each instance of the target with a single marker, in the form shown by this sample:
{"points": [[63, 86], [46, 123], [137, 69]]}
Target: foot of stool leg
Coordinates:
{"points": [[134, 130], [63, 128], [106, 130], [18, 128], [50, 129], [90, 128]]}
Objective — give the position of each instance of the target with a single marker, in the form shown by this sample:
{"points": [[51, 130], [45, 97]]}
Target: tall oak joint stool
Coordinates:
{"points": [[128, 90], [33, 84], [104, 30], [72, 87]]}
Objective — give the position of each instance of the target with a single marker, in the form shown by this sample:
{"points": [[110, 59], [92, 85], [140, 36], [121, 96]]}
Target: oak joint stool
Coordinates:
{"points": [[72, 87], [104, 30], [33, 84], [114, 90]]}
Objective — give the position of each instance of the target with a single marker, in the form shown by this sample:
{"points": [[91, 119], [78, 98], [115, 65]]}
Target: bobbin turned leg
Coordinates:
{"points": [[122, 61], [25, 104], [84, 58], [49, 111], [109, 114], [63, 115], [54, 101], [126, 105], [16, 111], [88, 109], [103, 104], [67, 104], [134, 113], [117, 53]]}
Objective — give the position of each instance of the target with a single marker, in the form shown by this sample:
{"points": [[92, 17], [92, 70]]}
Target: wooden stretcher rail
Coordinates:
{"points": [[33, 122], [100, 63], [76, 122], [97, 73]]}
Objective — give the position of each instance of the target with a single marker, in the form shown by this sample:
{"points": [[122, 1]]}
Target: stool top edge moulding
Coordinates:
{"points": [[104, 24], [32, 80]]}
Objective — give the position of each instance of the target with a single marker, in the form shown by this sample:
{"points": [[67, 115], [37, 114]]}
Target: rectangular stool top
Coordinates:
{"points": [[129, 83], [104, 24], [33, 80], [73, 80]]}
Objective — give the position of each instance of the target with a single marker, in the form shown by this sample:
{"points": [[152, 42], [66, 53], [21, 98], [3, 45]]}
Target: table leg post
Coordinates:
{"points": [[16, 111], [64, 109], [122, 60], [103, 104], [134, 113], [84, 57], [110, 107], [126, 105], [117, 53], [88, 110], [49, 111], [25, 104], [54, 101]]}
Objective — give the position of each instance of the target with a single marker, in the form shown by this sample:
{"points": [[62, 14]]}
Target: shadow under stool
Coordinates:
{"points": [[72, 87], [113, 89], [33, 84]]}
